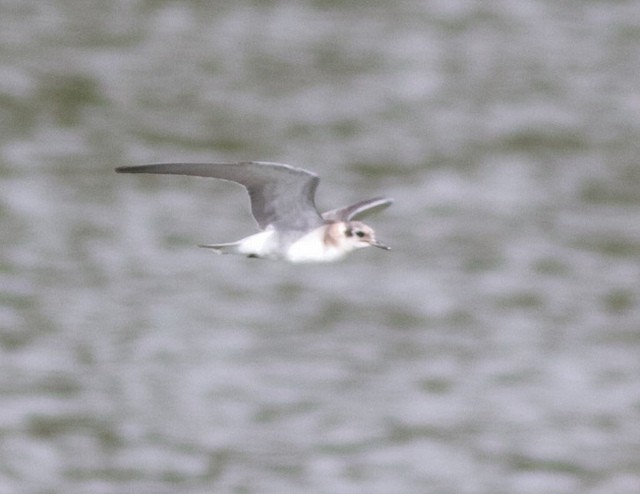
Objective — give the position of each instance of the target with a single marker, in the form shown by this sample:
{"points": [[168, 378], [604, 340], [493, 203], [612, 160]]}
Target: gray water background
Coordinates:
{"points": [[495, 349]]}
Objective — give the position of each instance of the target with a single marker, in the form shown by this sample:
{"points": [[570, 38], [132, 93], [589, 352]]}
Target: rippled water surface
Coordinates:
{"points": [[495, 349]]}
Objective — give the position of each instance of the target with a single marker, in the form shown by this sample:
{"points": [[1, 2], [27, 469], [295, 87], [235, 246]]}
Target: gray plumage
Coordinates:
{"points": [[281, 195]]}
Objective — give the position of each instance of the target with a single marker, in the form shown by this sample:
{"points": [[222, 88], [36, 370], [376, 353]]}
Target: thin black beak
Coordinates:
{"points": [[379, 245]]}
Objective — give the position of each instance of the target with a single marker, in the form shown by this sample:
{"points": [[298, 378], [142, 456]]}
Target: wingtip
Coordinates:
{"points": [[147, 168], [382, 201]]}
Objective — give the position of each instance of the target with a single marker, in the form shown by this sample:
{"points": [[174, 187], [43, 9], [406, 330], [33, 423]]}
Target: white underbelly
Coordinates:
{"points": [[260, 245], [312, 248]]}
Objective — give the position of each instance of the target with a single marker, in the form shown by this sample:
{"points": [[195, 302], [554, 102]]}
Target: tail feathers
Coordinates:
{"points": [[230, 248]]}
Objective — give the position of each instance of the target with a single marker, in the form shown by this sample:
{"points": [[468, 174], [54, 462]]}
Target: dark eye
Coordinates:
{"points": [[360, 233]]}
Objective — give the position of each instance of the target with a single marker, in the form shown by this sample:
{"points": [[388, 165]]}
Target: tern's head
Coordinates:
{"points": [[356, 235]]}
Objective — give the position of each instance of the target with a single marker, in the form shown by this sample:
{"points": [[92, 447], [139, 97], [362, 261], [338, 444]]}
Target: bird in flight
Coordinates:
{"points": [[282, 203]]}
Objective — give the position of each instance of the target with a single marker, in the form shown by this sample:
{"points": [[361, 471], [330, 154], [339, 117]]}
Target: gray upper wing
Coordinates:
{"points": [[358, 210], [281, 195]]}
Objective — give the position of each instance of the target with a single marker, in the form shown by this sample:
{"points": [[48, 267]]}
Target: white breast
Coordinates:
{"points": [[312, 248]]}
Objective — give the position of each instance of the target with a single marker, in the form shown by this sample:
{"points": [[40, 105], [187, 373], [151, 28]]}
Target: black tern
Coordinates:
{"points": [[282, 203]]}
